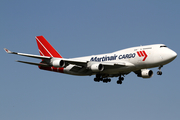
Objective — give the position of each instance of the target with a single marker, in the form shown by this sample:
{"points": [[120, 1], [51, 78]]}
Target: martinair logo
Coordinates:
{"points": [[122, 56], [142, 54]]}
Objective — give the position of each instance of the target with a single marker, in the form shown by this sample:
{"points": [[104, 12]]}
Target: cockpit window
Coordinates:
{"points": [[163, 46]]}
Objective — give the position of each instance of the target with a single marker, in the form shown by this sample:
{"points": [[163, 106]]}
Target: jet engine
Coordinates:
{"points": [[58, 63], [145, 73], [97, 67]]}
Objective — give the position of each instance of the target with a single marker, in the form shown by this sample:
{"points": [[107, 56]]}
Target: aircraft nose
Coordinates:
{"points": [[168, 55], [172, 54]]}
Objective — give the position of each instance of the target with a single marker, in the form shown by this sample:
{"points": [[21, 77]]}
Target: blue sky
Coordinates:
{"points": [[79, 28]]}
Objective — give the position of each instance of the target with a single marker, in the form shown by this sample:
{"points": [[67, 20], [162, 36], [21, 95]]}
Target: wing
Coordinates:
{"points": [[27, 55], [66, 62], [85, 63]]}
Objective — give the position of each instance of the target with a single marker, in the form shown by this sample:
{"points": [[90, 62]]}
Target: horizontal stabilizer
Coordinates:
{"points": [[31, 63]]}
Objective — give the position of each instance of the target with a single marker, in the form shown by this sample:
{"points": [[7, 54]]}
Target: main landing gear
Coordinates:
{"points": [[159, 72], [99, 78], [120, 80]]}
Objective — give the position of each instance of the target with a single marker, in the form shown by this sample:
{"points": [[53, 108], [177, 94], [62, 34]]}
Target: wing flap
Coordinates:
{"points": [[76, 62], [87, 63], [113, 64]]}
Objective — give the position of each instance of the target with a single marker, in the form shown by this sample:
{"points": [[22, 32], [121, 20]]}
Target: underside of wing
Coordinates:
{"points": [[31, 63]]}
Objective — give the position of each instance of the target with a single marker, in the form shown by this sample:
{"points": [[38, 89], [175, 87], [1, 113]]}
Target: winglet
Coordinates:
{"points": [[8, 51]]}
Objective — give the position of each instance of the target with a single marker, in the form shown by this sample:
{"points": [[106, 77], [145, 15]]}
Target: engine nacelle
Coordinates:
{"points": [[58, 63], [145, 73], [97, 67]]}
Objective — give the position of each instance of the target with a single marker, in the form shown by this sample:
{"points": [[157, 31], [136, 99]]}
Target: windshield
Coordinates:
{"points": [[163, 46]]}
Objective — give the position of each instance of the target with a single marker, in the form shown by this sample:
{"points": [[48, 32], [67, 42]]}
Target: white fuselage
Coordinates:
{"points": [[135, 58]]}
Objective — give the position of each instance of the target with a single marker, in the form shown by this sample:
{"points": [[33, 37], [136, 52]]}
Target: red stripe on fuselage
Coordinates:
{"points": [[144, 55], [139, 54]]}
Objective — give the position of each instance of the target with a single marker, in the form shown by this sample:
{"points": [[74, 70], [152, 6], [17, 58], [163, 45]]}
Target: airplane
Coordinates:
{"points": [[103, 66]]}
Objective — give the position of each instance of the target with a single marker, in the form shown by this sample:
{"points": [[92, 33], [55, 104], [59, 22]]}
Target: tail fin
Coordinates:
{"points": [[45, 48]]}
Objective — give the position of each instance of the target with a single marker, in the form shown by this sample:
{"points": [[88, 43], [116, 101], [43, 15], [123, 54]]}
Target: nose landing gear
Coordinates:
{"points": [[159, 72]]}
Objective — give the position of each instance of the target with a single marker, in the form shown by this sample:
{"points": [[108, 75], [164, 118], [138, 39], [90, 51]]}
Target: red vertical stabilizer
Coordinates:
{"points": [[45, 48]]}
